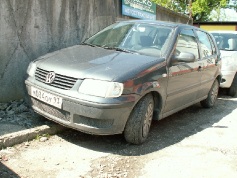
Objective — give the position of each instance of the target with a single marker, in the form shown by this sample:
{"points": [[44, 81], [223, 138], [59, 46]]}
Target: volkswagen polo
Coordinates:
{"points": [[125, 76]]}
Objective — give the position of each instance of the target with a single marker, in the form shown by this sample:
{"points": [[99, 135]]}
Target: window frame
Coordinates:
{"points": [[197, 58], [211, 42]]}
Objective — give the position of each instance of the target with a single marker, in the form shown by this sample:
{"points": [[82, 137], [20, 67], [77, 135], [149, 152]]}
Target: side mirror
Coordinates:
{"points": [[183, 57]]}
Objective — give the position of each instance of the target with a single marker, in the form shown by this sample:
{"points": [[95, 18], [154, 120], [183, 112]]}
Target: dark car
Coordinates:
{"points": [[124, 76]]}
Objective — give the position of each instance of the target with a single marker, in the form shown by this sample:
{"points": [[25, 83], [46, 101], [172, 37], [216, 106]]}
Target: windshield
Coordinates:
{"points": [[147, 39], [226, 41]]}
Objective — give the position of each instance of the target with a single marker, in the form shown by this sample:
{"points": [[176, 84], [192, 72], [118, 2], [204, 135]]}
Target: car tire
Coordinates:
{"points": [[139, 121], [212, 96], [232, 90]]}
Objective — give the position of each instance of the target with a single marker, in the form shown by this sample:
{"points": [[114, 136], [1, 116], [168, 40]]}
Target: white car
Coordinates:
{"points": [[227, 43]]}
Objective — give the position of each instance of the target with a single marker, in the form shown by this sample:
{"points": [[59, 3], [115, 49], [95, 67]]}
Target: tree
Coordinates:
{"points": [[232, 4], [200, 9]]}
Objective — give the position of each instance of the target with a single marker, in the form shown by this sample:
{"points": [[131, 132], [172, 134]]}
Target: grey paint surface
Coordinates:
{"points": [[31, 28]]}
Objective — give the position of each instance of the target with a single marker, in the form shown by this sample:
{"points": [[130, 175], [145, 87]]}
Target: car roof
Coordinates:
{"points": [[165, 23], [223, 31]]}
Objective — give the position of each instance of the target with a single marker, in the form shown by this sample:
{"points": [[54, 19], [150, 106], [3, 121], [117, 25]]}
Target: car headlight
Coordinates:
{"points": [[31, 69], [101, 88]]}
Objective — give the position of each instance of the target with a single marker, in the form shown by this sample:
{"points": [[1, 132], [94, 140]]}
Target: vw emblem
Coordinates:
{"points": [[50, 77]]}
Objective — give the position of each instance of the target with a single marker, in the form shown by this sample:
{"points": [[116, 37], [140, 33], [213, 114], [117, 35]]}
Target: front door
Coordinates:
{"points": [[184, 77]]}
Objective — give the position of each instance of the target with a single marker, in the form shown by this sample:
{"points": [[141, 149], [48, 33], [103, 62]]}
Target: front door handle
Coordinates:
{"points": [[200, 68]]}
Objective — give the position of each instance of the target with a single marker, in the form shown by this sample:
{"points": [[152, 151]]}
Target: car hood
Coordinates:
{"points": [[83, 61], [225, 53]]}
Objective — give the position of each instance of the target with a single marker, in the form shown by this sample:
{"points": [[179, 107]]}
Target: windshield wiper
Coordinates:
{"points": [[118, 49], [227, 49], [88, 44]]}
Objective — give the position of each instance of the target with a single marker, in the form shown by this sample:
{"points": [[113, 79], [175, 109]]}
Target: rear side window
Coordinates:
{"points": [[187, 43], [206, 46], [214, 50]]}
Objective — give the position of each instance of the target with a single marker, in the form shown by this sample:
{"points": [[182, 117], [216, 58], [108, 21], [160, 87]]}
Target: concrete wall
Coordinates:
{"points": [[31, 28], [168, 15]]}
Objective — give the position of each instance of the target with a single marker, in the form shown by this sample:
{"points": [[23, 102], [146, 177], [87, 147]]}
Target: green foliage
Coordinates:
{"points": [[201, 9], [233, 5]]}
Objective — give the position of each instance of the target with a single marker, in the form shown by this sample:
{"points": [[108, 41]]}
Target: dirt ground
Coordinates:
{"points": [[195, 142]]}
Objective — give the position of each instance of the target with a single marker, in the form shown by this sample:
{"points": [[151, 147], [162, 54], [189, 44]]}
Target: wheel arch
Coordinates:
{"points": [[158, 103]]}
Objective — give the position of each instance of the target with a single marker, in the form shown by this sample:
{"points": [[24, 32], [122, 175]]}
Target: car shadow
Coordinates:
{"points": [[5, 172], [163, 133]]}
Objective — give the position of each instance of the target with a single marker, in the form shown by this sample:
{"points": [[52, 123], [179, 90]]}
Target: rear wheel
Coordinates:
{"points": [[212, 96], [232, 90], [139, 122]]}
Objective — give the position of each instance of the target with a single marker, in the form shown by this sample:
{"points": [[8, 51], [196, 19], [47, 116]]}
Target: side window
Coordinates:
{"points": [[206, 47], [212, 45], [187, 43]]}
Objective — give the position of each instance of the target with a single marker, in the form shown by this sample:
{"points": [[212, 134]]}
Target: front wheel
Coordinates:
{"points": [[139, 122], [212, 96]]}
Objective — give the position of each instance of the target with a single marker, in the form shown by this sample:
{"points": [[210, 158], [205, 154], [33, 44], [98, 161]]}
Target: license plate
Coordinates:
{"points": [[46, 97]]}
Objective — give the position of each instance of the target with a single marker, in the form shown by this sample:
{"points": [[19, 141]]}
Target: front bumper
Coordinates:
{"points": [[227, 78], [88, 117]]}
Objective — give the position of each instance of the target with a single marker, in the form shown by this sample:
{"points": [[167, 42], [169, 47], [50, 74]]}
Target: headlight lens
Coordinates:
{"points": [[31, 69], [101, 88]]}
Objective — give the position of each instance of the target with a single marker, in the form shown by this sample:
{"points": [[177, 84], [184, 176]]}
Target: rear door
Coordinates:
{"points": [[184, 77], [209, 57]]}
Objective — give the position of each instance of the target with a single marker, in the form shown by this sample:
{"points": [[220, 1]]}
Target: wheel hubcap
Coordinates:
{"points": [[214, 93], [147, 120]]}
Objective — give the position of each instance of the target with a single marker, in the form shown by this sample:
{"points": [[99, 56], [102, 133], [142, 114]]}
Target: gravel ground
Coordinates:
{"points": [[195, 142], [16, 116]]}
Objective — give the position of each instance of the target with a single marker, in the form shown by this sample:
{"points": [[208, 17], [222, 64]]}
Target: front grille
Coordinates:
{"points": [[60, 114], [60, 81]]}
